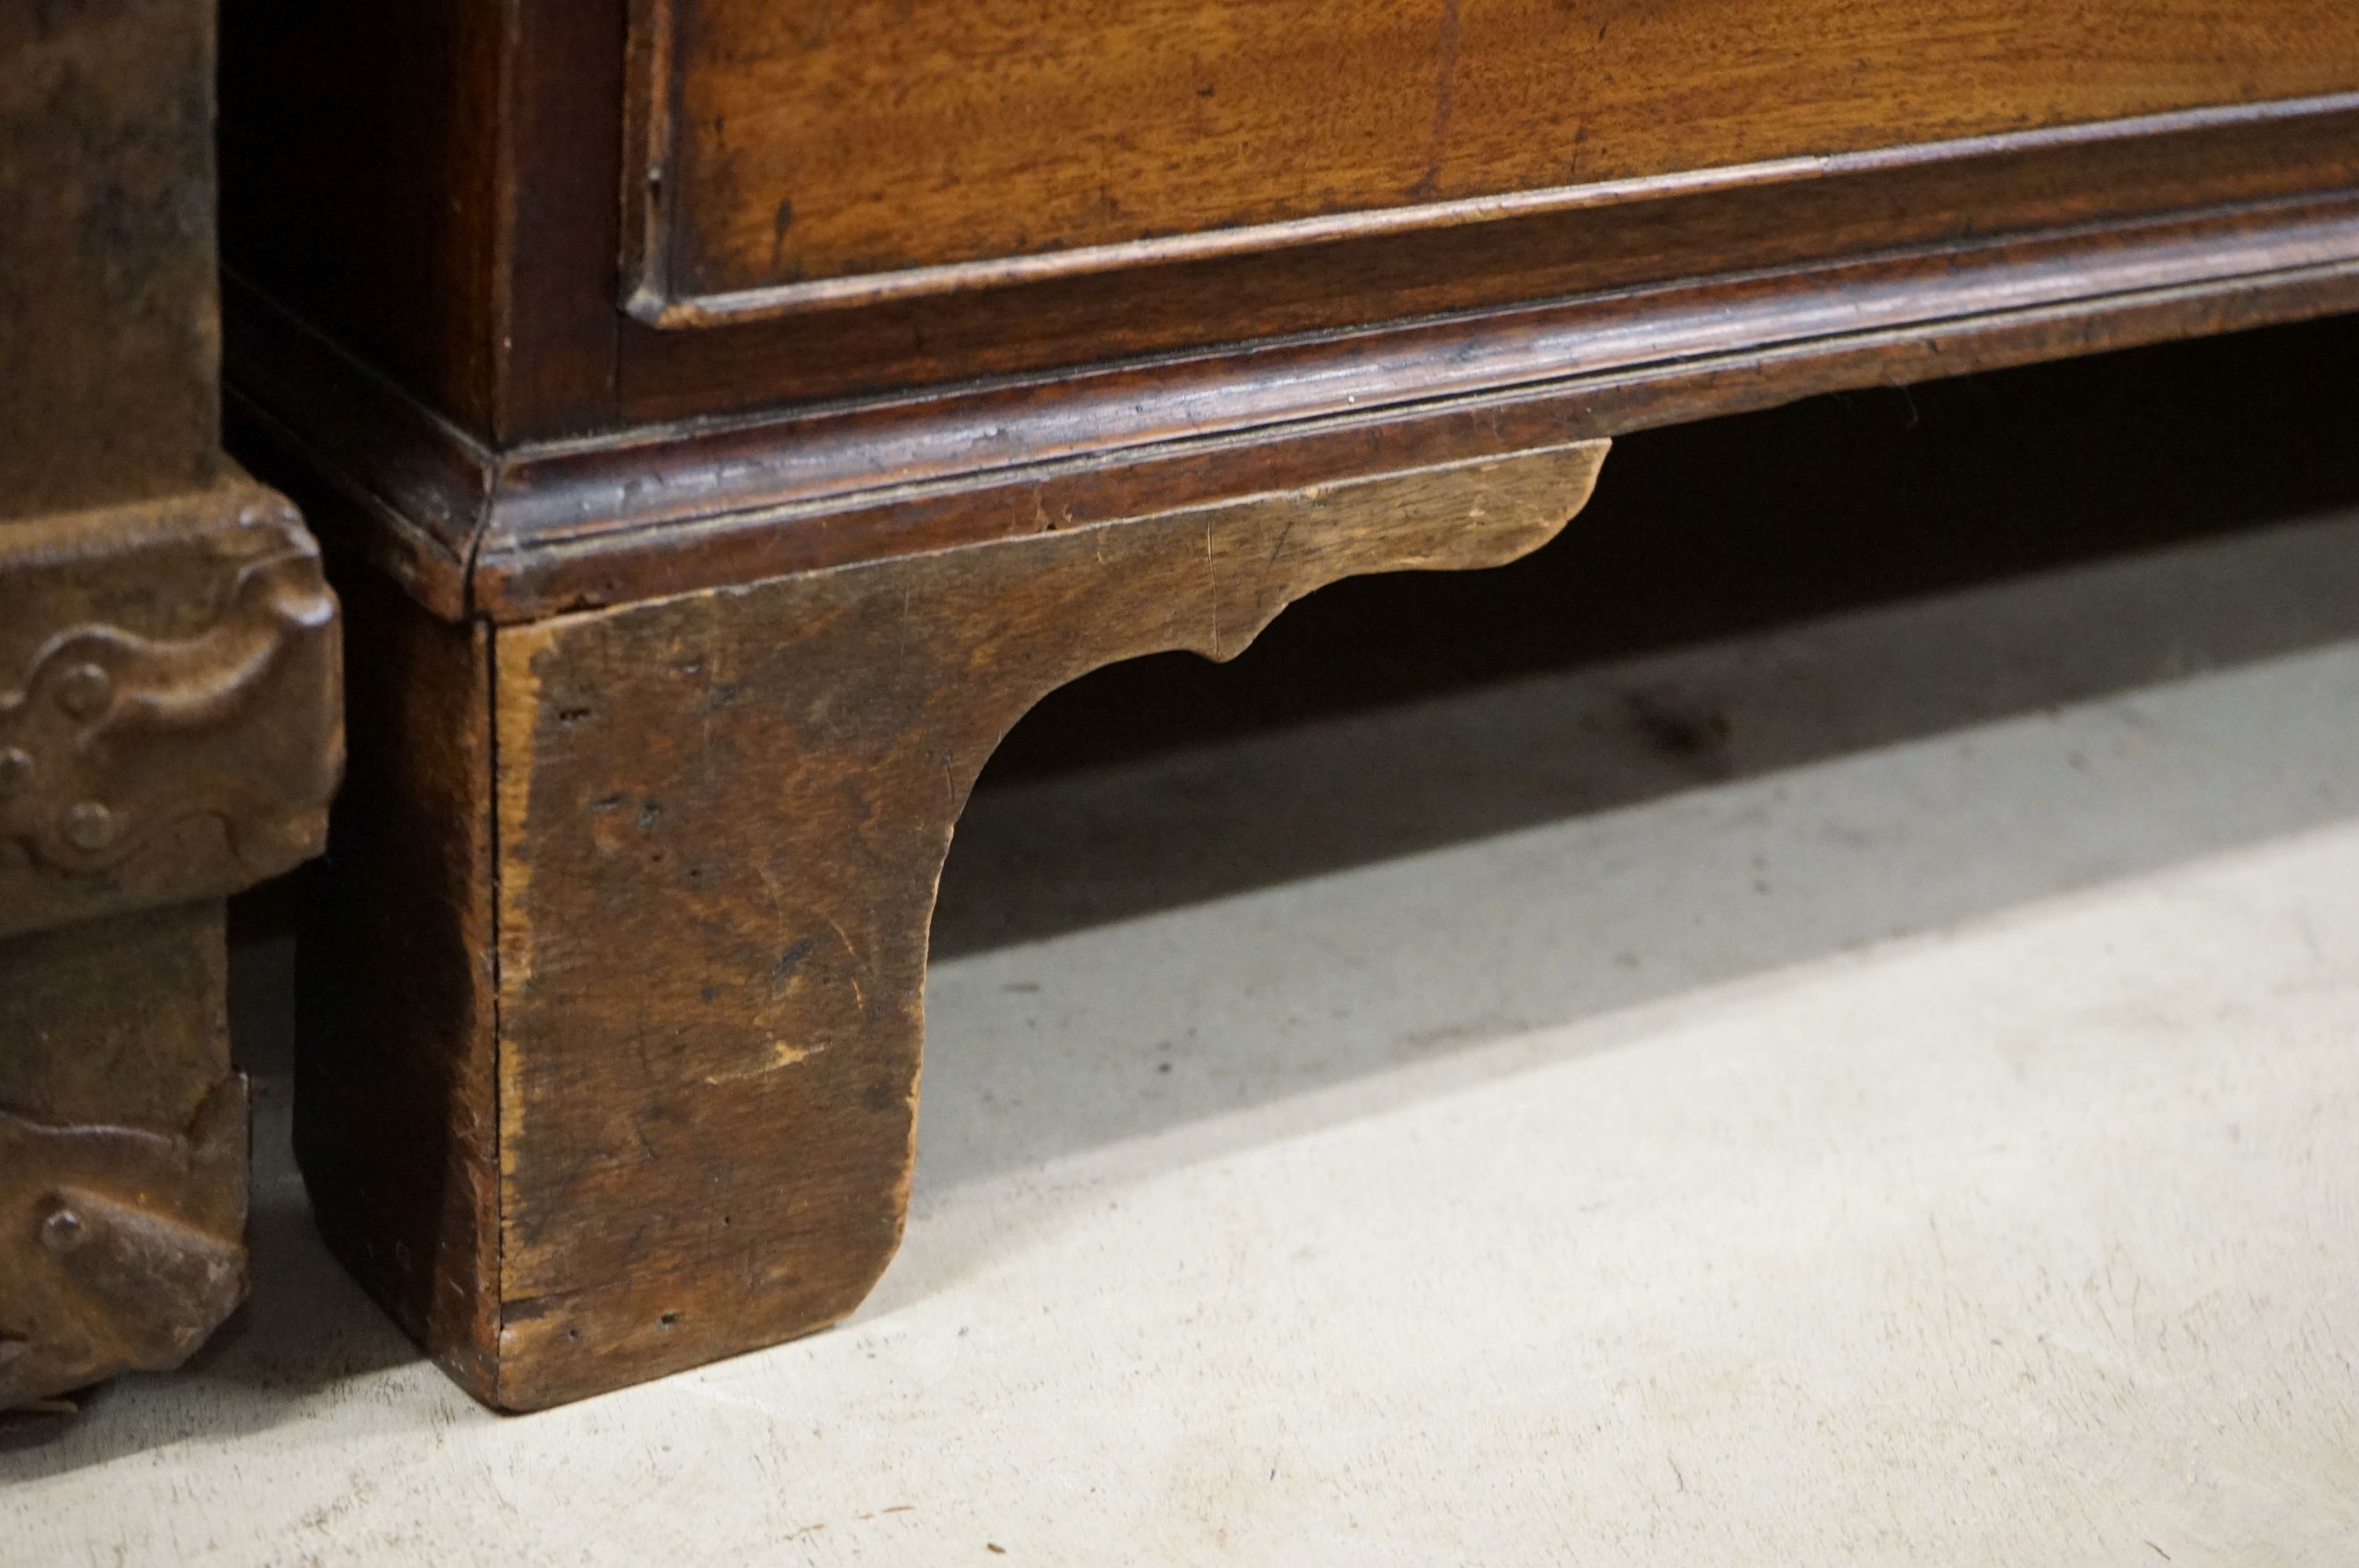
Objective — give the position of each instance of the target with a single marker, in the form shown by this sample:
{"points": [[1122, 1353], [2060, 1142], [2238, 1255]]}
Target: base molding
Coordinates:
{"points": [[549, 528]]}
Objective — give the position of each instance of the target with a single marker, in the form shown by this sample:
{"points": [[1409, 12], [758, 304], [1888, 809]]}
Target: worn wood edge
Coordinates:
{"points": [[514, 699], [1291, 295], [553, 527], [649, 297], [556, 1342], [1329, 481], [383, 534], [296, 401], [563, 491], [393, 1132], [649, 72]]}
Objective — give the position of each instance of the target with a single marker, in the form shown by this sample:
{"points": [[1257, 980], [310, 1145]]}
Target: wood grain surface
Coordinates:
{"points": [[790, 146], [1940, 201], [361, 156]]}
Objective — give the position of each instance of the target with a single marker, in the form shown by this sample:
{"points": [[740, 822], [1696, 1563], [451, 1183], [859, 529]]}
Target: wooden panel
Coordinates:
{"points": [[1934, 203], [790, 146]]}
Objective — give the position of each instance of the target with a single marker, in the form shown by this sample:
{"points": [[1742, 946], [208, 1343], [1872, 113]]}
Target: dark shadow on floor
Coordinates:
{"points": [[1711, 531]]}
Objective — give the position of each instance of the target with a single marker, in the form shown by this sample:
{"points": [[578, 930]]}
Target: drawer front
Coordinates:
{"points": [[799, 153]]}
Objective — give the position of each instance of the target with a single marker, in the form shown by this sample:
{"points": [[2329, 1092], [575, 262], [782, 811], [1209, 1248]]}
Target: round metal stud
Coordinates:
{"points": [[62, 1231], [90, 826], [84, 690], [260, 529]]}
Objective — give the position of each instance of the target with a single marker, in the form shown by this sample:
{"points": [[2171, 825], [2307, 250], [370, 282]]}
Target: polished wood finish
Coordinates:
{"points": [[791, 158], [1596, 242], [447, 199], [391, 236]]}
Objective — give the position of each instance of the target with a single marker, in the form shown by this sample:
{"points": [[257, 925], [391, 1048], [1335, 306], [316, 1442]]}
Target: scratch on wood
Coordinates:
{"points": [[514, 740], [1445, 100], [779, 1057], [1211, 588], [852, 971]]}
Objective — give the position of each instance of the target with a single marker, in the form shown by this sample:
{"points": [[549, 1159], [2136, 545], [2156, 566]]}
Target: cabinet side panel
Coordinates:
{"points": [[395, 1120]]}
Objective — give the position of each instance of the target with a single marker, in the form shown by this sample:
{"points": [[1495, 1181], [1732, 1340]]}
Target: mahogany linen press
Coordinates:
{"points": [[732, 414]]}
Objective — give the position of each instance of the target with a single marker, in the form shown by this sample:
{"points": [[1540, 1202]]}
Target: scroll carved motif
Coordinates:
{"points": [[145, 758], [120, 1249]]}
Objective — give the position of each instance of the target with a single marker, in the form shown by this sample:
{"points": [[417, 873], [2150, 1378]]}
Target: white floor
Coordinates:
{"points": [[1907, 1118]]}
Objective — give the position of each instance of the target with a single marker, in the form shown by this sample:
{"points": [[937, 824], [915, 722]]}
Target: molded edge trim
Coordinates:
{"points": [[651, 512]]}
